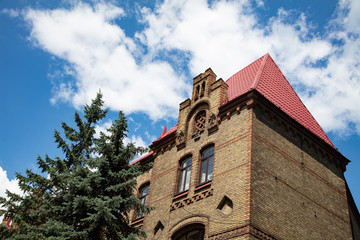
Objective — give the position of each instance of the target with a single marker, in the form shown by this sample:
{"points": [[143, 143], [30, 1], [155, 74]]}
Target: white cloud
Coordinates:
{"points": [[103, 57], [10, 12], [103, 128], [150, 137], [227, 37], [137, 140], [223, 35], [6, 183]]}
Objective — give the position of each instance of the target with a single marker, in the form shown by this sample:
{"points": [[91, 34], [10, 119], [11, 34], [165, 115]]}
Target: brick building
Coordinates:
{"points": [[246, 160]]}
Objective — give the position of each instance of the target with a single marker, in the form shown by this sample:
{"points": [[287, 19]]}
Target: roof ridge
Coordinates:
{"points": [[265, 76], [260, 71], [310, 114], [319, 132]]}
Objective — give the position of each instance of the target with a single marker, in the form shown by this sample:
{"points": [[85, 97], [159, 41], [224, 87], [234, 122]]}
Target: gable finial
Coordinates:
{"points": [[163, 132]]}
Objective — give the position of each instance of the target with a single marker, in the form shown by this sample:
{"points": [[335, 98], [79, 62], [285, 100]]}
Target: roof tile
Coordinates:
{"points": [[265, 76]]}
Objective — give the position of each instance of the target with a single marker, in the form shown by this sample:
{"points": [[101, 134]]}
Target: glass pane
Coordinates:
{"points": [[195, 232], [209, 152], [144, 200], [187, 163], [194, 235], [210, 168], [140, 214], [181, 181], [145, 191], [188, 173], [203, 171]]}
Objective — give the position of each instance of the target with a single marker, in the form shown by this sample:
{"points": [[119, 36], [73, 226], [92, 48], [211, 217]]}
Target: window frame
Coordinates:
{"points": [[184, 231], [182, 181], [202, 160], [139, 214]]}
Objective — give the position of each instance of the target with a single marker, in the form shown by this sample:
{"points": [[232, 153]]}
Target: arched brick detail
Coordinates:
{"points": [[200, 219], [203, 105]]}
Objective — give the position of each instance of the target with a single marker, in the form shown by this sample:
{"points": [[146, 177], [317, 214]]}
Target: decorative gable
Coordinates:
{"points": [[263, 75], [198, 113]]}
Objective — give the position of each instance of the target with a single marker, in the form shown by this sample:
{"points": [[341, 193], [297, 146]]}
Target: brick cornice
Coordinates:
{"points": [[163, 144], [249, 229], [255, 100]]}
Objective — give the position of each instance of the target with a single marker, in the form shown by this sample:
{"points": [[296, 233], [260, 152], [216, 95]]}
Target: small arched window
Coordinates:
{"points": [[143, 196], [190, 232], [197, 92], [207, 164], [202, 89], [184, 176]]}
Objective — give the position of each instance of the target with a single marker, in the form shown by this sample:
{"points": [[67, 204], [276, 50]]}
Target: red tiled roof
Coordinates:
{"points": [[142, 158], [163, 134], [265, 76]]}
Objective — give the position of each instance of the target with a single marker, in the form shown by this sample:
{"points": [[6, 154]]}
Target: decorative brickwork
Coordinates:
{"points": [[275, 175], [240, 231], [191, 200]]}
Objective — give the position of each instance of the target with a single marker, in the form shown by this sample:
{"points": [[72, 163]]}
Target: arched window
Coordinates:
{"points": [[207, 164], [190, 232], [184, 176], [143, 196]]}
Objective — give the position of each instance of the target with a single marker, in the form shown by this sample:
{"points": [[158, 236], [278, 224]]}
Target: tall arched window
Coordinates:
{"points": [[207, 164], [185, 173], [190, 232], [143, 196]]}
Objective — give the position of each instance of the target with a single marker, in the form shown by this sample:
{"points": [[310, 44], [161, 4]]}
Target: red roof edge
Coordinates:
{"points": [[163, 132], [164, 135], [146, 156]]}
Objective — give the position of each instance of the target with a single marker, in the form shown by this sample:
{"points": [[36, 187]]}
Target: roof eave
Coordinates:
{"points": [[254, 98]]}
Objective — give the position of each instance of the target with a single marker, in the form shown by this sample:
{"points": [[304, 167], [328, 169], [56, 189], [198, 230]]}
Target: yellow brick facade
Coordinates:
{"points": [[279, 180]]}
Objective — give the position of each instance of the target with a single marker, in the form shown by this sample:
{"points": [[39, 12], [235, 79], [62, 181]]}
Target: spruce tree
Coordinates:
{"points": [[88, 193]]}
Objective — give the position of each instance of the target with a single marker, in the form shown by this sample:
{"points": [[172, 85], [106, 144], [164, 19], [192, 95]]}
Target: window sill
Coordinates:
{"points": [[203, 185], [180, 195], [137, 221]]}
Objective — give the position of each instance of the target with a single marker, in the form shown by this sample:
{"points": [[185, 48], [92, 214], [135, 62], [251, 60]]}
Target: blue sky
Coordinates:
{"points": [[55, 56]]}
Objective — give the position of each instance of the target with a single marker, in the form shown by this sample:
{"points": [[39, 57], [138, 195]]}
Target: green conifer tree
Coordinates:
{"points": [[88, 193]]}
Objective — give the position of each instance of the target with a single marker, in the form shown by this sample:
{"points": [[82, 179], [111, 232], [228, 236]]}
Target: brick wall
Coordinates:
{"points": [[231, 166], [296, 193], [277, 180]]}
